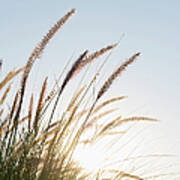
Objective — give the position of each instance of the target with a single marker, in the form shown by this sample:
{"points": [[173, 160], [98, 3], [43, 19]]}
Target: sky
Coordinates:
{"points": [[152, 84]]}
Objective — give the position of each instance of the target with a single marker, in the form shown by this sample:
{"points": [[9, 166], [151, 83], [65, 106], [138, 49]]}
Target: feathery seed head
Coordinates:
{"points": [[74, 69], [117, 73], [38, 50], [97, 54]]}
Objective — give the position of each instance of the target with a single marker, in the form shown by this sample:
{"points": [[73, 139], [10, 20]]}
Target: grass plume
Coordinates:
{"points": [[117, 73]]}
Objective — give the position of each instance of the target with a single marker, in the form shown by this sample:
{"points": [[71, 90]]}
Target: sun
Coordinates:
{"points": [[90, 157]]}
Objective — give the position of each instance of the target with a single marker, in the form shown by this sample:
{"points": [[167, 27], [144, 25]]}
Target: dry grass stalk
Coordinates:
{"points": [[9, 127], [106, 86], [80, 114], [40, 104], [3, 126], [136, 118], [42, 95], [110, 125], [52, 131], [19, 122], [50, 96], [74, 69], [118, 121], [53, 92], [117, 73], [66, 133], [114, 133], [7, 122], [8, 119], [52, 125], [74, 99], [58, 135], [15, 103], [52, 31], [81, 62], [99, 107], [38, 50], [10, 76], [99, 116], [1, 112], [30, 112], [48, 142], [78, 65], [36, 54], [123, 175], [66, 80], [95, 55], [107, 102], [53, 128], [5, 94], [69, 121]]}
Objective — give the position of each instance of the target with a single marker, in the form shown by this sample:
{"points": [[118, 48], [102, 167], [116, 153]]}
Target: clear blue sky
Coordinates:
{"points": [[151, 27]]}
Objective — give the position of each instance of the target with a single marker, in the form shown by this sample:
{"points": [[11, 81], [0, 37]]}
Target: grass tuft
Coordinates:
{"points": [[39, 142]]}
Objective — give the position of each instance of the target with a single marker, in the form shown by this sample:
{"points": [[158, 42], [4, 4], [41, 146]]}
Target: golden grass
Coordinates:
{"points": [[5, 94], [10, 76], [38, 147]]}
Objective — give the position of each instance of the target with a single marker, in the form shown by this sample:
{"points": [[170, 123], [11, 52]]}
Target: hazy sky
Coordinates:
{"points": [[152, 84]]}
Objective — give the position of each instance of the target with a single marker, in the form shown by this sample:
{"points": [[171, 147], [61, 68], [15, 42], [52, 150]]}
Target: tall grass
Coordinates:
{"points": [[40, 145]]}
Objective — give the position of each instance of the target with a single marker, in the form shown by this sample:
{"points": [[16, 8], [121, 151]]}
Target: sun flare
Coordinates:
{"points": [[90, 157]]}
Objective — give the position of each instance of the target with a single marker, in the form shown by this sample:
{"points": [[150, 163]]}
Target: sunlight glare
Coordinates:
{"points": [[91, 158]]}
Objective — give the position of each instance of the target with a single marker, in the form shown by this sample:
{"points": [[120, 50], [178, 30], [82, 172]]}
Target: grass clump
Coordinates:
{"points": [[41, 146]]}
